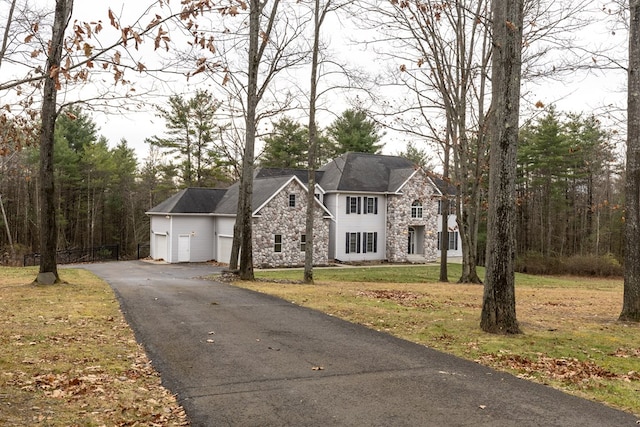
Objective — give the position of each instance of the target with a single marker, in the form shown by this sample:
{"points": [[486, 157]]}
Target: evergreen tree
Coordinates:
{"points": [[191, 128], [287, 146], [417, 155], [354, 132]]}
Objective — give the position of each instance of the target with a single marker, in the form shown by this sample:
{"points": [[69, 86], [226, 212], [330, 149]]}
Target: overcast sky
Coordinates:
{"points": [[579, 92]]}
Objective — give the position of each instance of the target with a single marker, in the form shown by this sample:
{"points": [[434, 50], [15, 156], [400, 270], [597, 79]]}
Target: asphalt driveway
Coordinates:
{"points": [[239, 358]]}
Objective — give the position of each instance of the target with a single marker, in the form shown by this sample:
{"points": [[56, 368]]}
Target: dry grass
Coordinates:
{"points": [[69, 358], [571, 338]]}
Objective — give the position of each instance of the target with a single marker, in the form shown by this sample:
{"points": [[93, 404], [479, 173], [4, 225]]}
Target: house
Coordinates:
{"points": [[367, 208]]}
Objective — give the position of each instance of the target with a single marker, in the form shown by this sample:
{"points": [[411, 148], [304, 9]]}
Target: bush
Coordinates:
{"points": [[577, 265]]}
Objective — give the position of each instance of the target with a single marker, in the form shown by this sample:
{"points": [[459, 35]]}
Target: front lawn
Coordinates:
{"points": [[69, 358]]}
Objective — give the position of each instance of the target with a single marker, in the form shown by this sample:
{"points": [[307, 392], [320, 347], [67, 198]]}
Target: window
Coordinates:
{"points": [[452, 207], [416, 209], [453, 240], [370, 205], [370, 242], [277, 243], [303, 242], [352, 243], [292, 200], [353, 204]]}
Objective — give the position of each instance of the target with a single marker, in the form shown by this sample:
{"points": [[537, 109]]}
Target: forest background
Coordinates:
{"points": [[570, 163]]}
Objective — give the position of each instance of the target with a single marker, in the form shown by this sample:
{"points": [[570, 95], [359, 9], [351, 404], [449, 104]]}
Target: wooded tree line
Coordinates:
{"points": [[569, 188]]}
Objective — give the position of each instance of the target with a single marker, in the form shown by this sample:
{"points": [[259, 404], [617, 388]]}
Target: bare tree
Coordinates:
{"points": [[499, 301], [49, 113], [444, 63], [319, 14], [631, 299]]}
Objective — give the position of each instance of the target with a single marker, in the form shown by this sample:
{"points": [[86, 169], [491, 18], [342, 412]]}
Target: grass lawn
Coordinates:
{"points": [[571, 339], [69, 358]]}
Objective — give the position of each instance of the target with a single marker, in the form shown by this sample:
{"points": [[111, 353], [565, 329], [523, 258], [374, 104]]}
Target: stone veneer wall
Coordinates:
{"points": [[399, 219], [278, 218]]}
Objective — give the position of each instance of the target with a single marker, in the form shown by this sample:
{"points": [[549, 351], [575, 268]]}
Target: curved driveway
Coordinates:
{"points": [[239, 358]]}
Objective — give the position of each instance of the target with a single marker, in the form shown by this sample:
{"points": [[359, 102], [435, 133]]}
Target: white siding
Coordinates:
{"points": [[201, 232], [453, 226], [357, 223]]}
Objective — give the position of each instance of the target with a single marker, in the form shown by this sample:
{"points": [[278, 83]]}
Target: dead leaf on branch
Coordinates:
{"points": [[112, 18]]}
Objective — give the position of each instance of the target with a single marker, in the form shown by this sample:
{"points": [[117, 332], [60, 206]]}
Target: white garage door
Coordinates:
{"points": [[161, 247], [224, 249]]}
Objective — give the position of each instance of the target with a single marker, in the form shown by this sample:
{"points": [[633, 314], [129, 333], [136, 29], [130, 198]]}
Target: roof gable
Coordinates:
{"points": [[303, 187]]}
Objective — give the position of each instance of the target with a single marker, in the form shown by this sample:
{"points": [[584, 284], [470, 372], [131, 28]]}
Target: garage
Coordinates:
{"points": [[161, 247], [225, 244]]}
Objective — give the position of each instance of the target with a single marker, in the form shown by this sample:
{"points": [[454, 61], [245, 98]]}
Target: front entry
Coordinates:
{"points": [[416, 240], [412, 241]]}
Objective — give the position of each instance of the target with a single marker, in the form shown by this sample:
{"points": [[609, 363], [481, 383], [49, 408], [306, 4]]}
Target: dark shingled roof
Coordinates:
{"points": [[263, 189], [301, 174], [366, 172], [355, 172], [191, 200], [445, 187]]}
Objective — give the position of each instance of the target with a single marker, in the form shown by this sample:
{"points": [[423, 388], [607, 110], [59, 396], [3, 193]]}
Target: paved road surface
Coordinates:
{"points": [[263, 367]]}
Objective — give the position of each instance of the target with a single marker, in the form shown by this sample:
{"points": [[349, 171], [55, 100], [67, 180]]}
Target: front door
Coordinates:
{"points": [[412, 241], [184, 248]]}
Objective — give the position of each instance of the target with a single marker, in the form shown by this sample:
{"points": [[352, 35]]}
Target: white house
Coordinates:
{"points": [[368, 208]]}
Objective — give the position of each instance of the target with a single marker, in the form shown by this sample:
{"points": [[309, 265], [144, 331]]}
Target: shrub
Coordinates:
{"points": [[577, 265]]}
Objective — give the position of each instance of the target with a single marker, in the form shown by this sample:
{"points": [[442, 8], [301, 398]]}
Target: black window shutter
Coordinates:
{"points": [[358, 244], [359, 199], [364, 211], [375, 242], [375, 205], [364, 242], [348, 205]]}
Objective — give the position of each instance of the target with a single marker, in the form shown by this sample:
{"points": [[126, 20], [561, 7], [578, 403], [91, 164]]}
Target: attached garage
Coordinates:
{"points": [[160, 249]]}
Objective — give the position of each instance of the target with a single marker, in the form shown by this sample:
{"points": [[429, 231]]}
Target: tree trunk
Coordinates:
{"points": [[444, 207], [49, 113], [246, 183], [631, 298], [237, 233], [499, 302]]}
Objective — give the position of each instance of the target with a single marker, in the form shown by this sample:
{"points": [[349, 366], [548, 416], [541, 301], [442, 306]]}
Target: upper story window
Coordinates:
{"points": [[371, 205], [452, 207], [292, 200], [353, 204], [416, 209], [365, 205]]}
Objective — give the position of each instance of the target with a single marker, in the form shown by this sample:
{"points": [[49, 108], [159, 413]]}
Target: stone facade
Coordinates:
{"points": [[399, 220], [278, 218]]}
